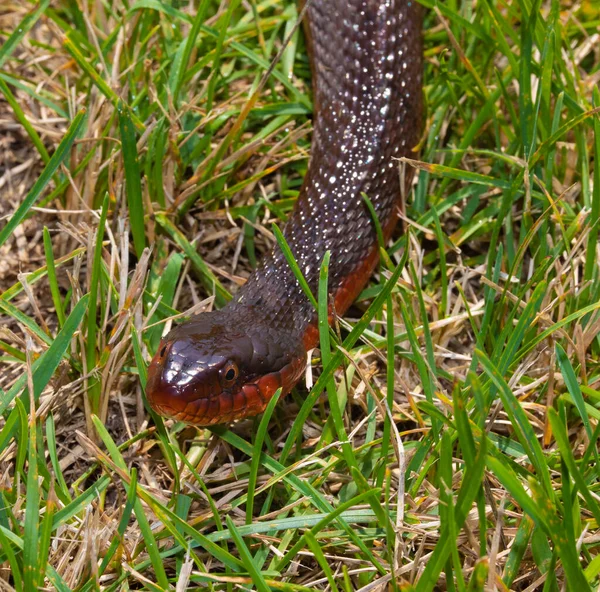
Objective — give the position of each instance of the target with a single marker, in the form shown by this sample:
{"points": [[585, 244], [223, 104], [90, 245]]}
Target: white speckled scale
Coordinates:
{"points": [[367, 63]]}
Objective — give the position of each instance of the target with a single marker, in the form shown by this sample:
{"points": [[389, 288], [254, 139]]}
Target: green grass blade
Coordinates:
{"points": [[224, 25], [211, 283], [316, 550], [95, 388], [10, 554], [149, 540], [45, 535], [38, 187], [498, 466], [43, 368], [261, 433], [590, 259], [32, 515], [517, 551], [133, 181], [568, 374], [291, 261], [466, 496], [520, 423], [180, 67], [564, 543], [52, 279], [421, 363], [338, 357], [22, 119], [98, 81], [247, 559], [560, 435], [80, 503], [321, 524], [316, 498], [7, 48], [63, 490]]}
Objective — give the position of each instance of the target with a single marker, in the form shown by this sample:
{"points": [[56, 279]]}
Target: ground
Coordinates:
{"points": [[146, 149]]}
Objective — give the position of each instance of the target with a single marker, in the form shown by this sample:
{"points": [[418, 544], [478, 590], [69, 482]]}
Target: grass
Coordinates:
{"points": [[449, 439]]}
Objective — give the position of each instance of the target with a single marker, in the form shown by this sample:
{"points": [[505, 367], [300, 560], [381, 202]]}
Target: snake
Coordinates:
{"points": [[366, 62]]}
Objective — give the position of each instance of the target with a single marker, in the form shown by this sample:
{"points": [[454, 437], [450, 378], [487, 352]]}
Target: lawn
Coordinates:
{"points": [[446, 439]]}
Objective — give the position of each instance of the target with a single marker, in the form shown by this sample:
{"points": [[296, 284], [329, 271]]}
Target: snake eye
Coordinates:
{"points": [[229, 372]]}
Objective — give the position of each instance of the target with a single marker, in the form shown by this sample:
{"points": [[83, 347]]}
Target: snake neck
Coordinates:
{"points": [[367, 78]]}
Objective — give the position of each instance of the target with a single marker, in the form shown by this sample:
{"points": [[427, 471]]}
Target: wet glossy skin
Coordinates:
{"points": [[367, 64]]}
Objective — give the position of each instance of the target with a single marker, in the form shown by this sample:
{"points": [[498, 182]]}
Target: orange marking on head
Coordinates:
{"points": [[269, 384]]}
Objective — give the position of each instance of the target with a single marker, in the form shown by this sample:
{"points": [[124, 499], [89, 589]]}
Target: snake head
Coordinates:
{"points": [[216, 368]]}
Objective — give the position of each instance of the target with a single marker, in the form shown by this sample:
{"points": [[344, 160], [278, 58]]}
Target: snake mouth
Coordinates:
{"points": [[201, 407], [223, 407]]}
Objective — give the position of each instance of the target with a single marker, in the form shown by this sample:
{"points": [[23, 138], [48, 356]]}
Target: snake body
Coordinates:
{"points": [[367, 69]]}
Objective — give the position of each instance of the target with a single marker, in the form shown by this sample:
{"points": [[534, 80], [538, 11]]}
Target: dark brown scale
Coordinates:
{"points": [[367, 65]]}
